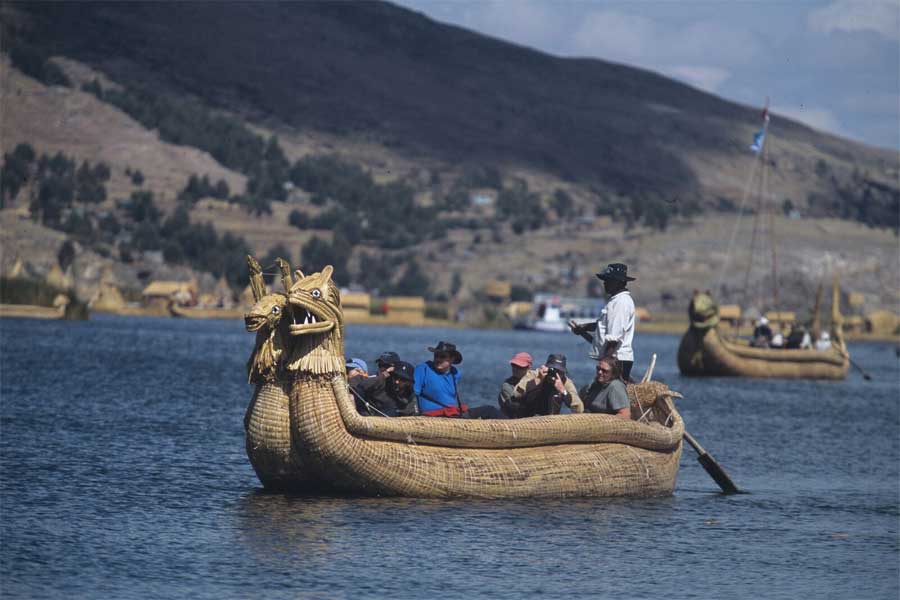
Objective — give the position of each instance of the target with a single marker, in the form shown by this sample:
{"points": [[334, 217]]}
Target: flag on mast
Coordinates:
{"points": [[759, 139]]}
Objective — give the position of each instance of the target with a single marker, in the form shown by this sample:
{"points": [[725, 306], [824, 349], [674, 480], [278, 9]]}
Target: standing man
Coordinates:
{"points": [[613, 332]]}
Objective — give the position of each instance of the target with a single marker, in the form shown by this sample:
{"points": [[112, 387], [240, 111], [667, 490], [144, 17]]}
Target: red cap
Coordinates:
{"points": [[522, 359]]}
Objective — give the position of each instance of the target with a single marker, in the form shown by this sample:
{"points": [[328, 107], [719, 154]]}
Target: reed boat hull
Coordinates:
{"points": [[703, 353], [551, 457], [268, 441]]}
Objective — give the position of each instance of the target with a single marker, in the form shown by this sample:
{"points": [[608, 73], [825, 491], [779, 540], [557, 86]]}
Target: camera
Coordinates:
{"points": [[552, 373]]}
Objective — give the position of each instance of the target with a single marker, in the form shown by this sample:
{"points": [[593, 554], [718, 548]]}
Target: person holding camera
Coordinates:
{"points": [[607, 394], [544, 390], [612, 334], [388, 394]]}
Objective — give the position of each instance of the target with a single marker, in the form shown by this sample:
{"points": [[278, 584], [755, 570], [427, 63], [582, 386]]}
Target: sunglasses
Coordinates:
{"points": [[443, 356]]}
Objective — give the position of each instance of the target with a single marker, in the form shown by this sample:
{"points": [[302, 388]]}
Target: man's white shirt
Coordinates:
{"points": [[616, 324]]}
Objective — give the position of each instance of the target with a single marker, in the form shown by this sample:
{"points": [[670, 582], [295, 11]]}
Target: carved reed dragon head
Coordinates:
{"points": [[703, 311], [317, 327], [266, 318]]}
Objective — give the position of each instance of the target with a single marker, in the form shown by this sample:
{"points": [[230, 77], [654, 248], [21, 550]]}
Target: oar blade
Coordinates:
{"points": [[718, 474]]}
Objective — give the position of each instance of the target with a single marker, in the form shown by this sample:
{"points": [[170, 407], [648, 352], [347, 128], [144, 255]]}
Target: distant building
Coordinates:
{"points": [[159, 295]]}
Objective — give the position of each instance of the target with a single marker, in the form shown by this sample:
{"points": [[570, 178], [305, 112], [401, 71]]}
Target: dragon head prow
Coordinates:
{"points": [[268, 310], [317, 303], [318, 325]]}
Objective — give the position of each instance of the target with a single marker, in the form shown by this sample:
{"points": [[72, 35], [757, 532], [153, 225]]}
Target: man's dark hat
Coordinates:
{"points": [[448, 348], [557, 361], [615, 272], [403, 370], [387, 359]]}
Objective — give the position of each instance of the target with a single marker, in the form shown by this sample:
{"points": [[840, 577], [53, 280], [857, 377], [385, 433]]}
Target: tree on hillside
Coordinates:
{"points": [[316, 253], [413, 282], [16, 171]]}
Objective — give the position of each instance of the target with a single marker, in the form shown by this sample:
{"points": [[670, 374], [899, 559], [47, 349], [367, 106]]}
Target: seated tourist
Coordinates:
{"points": [[436, 383], [543, 391], [762, 334], [824, 342], [796, 338], [437, 387], [388, 394], [520, 363], [386, 360], [606, 394], [356, 367]]}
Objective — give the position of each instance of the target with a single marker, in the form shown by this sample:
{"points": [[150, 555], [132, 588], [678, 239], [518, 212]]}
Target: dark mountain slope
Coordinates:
{"points": [[376, 69]]}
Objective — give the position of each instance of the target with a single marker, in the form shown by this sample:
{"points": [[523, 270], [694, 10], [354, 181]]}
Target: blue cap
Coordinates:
{"points": [[357, 363]]}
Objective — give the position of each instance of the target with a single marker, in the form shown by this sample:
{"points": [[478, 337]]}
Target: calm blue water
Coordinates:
{"points": [[123, 475]]}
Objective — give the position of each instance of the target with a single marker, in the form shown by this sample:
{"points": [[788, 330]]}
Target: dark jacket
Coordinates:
{"points": [[381, 394]]}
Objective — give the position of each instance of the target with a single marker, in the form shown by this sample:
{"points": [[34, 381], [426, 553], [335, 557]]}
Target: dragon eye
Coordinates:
{"points": [[275, 310], [315, 294]]}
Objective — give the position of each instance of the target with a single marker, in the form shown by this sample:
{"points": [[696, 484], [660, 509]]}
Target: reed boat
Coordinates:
{"points": [[63, 308], [704, 352], [303, 431]]}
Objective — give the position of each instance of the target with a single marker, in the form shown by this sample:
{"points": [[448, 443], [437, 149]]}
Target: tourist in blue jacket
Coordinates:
{"points": [[437, 383], [437, 387]]}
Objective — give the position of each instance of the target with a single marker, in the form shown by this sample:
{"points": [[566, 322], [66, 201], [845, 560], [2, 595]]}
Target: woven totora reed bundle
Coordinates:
{"points": [[303, 432], [703, 352]]}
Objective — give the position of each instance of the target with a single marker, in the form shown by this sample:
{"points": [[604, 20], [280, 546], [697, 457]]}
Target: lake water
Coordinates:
{"points": [[123, 475]]}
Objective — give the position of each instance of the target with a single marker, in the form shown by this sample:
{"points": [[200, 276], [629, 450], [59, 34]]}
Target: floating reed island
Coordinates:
{"points": [[303, 432]]}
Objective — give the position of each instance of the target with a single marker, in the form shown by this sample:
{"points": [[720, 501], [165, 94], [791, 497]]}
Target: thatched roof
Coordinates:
{"points": [[168, 288], [498, 289], [18, 269], [781, 316], [58, 279], [107, 298], [355, 300], [410, 303], [731, 312]]}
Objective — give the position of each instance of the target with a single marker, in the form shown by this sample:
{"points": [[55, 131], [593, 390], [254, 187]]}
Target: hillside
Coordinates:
{"points": [[374, 70], [441, 112]]}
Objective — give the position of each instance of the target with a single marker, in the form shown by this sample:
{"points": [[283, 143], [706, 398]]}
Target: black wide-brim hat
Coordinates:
{"points": [[615, 272], [449, 349], [403, 370], [556, 361]]}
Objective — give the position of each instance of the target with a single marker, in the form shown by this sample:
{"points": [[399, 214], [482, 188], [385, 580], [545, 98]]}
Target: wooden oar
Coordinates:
{"points": [[709, 463], [712, 467]]}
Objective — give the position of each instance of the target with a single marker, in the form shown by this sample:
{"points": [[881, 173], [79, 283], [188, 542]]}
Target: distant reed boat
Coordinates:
{"points": [[304, 433], [704, 352]]}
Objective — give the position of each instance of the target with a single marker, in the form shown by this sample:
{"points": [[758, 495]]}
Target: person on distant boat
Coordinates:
{"points": [[388, 394], [798, 338], [777, 341], [386, 360], [613, 332], [824, 342], [436, 386], [543, 391], [606, 394], [520, 363], [762, 334]]}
